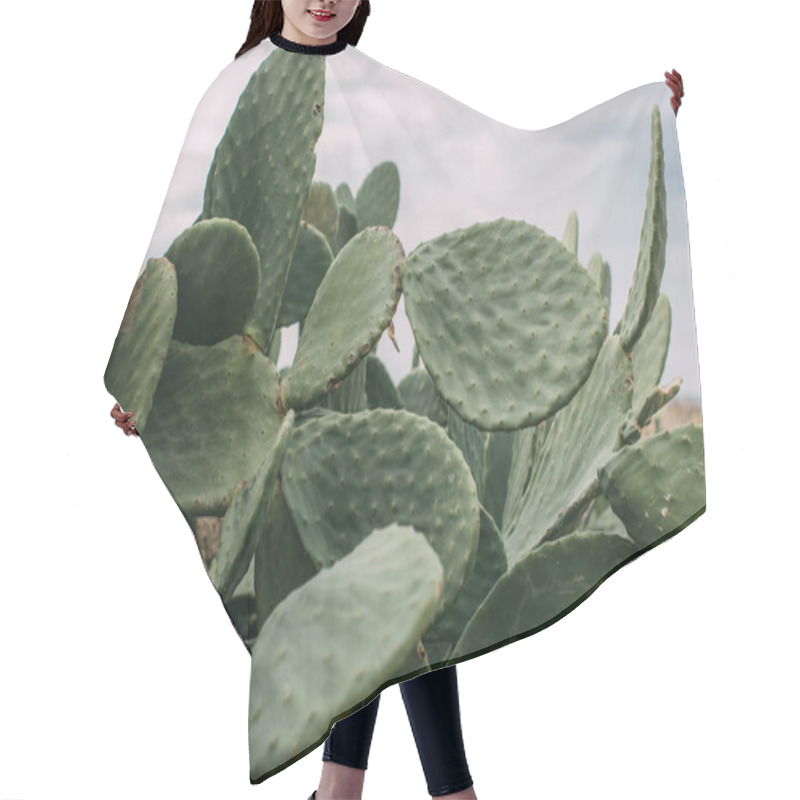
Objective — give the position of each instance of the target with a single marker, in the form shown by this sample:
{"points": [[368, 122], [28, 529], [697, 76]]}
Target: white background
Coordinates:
{"points": [[120, 674]]}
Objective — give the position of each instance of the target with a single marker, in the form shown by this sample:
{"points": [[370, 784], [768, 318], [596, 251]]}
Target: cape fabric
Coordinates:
{"points": [[418, 381]]}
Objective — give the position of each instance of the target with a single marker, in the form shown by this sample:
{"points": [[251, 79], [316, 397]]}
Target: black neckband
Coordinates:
{"points": [[319, 49]]}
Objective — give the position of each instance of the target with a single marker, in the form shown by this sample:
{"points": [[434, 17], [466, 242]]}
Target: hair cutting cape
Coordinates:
{"points": [[419, 381]]}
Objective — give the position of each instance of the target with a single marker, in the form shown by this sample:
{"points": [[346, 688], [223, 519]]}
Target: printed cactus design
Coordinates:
{"points": [[393, 529]]}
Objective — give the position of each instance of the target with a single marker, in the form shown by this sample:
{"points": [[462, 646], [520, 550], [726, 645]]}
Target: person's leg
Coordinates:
{"points": [[433, 710], [346, 753]]}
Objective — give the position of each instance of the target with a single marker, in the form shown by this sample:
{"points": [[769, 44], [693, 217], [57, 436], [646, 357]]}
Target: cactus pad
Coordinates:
{"points": [[352, 307], [539, 589], [360, 618], [263, 168], [140, 348], [311, 260], [346, 474], [658, 484], [246, 517], [201, 443], [217, 266], [507, 321], [582, 438], [644, 290]]}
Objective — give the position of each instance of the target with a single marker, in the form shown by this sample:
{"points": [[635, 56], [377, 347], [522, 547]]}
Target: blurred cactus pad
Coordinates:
{"points": [[361, 531]]}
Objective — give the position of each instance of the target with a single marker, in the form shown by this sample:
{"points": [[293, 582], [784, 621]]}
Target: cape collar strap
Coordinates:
{"points": [[318, 49]]}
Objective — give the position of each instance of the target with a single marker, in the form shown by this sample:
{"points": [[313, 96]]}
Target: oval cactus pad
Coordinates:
{"points": [[352, 307], [507, 321], [345, 474], [360, 618]]}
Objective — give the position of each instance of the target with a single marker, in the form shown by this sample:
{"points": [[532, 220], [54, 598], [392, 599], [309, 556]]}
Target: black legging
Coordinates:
{"points": [[432, 706]]}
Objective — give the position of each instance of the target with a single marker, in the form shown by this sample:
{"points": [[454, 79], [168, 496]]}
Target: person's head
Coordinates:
{"points": [[295, 20]]}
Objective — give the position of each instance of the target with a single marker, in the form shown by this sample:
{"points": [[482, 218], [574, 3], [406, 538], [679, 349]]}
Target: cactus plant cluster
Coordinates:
{"points": [[367, 531]]}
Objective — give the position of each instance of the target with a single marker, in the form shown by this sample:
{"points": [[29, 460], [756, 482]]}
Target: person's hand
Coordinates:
{"points": [[122, 419], [675, 82]]}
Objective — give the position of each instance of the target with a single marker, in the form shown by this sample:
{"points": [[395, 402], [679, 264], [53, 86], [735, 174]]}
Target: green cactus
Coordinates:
{"points": [[570, 235], [137, 358], [656, 485], [364, 279], [311, 259], [217, 267], [266, 187], [380, 389], [378, 197], [246, 516], [389, 584], [348, 221], [322, 210], [203, 444], [507, 341], [601, 273], [644, 289], [345, 474], [401, 528]]}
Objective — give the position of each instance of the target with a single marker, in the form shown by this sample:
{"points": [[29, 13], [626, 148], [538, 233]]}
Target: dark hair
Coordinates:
{"points": [[266, 18]]}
